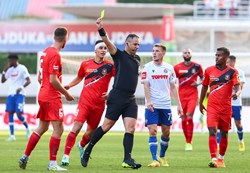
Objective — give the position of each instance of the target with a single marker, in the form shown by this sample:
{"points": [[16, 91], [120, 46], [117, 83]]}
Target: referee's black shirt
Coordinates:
{"points": [[127, 71]]}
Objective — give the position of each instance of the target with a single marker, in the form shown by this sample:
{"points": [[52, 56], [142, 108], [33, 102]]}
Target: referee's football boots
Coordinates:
{"points": [[131, 163], [85, 159]]}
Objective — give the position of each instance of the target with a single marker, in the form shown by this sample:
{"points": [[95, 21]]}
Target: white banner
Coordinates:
{"points": [[30, 111]]}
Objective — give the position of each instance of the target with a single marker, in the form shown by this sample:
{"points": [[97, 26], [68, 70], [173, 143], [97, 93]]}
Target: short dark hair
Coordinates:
{"points": [[131, 36], [60, 34], [98, 41], [232, 57], [224, 50], [13, 56]]}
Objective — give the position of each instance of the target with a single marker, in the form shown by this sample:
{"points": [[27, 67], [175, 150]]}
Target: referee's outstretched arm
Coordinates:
{"points": [[111, 47]]}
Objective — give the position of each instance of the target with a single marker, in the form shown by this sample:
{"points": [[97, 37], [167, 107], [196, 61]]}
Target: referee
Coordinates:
{"points": [[121, 99]]}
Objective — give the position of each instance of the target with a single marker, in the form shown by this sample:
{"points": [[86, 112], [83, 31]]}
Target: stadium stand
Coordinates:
{"points": [[222, 9], [12, 8]]}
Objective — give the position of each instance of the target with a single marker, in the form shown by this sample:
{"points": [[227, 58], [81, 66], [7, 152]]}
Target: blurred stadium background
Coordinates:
{"points": [[202, 25]]}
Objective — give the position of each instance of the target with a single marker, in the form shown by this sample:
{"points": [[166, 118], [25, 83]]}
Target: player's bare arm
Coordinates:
{"points": [[202, 96], [57, 84], [74, 82], [177, 98], [237, 89], [150, 104], [28, 81], [3, 79], [111, 47], [39, 79], [196, 83]]}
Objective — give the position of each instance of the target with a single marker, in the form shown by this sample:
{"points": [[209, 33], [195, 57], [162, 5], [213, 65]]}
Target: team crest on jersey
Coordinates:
{"points": [[193, 70], [165, 70], [227, 77], [104, 71]]}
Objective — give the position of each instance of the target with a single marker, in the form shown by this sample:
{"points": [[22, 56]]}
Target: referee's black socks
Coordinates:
{"points": [[128, 142], [97, 135]]}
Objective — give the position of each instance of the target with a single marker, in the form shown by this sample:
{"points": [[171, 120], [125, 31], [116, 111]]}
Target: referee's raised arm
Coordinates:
{"points": [[111, 47]]}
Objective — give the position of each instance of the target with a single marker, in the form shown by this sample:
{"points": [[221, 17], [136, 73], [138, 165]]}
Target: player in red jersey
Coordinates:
{"points": [[187, 72], [49, 99], [97, 73], [221, 79]]}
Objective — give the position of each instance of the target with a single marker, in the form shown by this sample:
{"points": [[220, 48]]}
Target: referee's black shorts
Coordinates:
{"points": [[121, 103]]}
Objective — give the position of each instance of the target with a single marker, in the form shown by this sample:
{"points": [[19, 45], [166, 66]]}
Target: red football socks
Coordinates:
{"points": [[70, 141], [212, 146], [34, 138], [85, 140], [53, 147], [184, 127], [223, 145], [190, 129]]}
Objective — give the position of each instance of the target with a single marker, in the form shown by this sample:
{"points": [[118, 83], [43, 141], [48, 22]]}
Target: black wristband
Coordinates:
{"points": [[102, 32]]}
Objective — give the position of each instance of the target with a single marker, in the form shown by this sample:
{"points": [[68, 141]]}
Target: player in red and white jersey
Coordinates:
{"points": [[187, 73], [49, 99], [96, 73], [159, 79], [222, 80]]}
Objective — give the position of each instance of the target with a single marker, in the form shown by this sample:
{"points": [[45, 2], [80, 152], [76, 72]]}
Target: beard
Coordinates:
{"points": [[187, 59]]}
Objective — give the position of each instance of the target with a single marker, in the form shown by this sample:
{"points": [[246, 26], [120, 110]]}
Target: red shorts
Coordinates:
{"points": [[50, 111], [91, 114], [188, 106], [218, 120]]}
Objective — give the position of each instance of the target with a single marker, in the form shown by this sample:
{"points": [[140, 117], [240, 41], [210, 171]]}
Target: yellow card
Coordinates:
{"points": [[102, 14]]}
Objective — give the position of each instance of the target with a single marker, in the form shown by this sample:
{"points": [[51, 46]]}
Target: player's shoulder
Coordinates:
{"points": [[21, 66], [148, 65], [231, 68], [51, 53], [213, 67], [51, 50], [106, 61], [87, 62], [196, 64], [168, 66]]}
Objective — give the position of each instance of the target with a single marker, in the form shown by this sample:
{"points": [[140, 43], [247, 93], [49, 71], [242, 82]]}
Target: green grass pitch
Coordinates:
{"points": [[108, 153]]}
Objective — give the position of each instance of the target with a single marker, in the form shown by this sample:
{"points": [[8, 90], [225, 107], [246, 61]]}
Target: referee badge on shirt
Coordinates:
{"points": [[227, 77], [193, 70]]}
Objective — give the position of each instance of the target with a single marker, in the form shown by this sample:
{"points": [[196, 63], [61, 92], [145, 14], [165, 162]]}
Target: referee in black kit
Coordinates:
{"points": [[121, 99]]}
